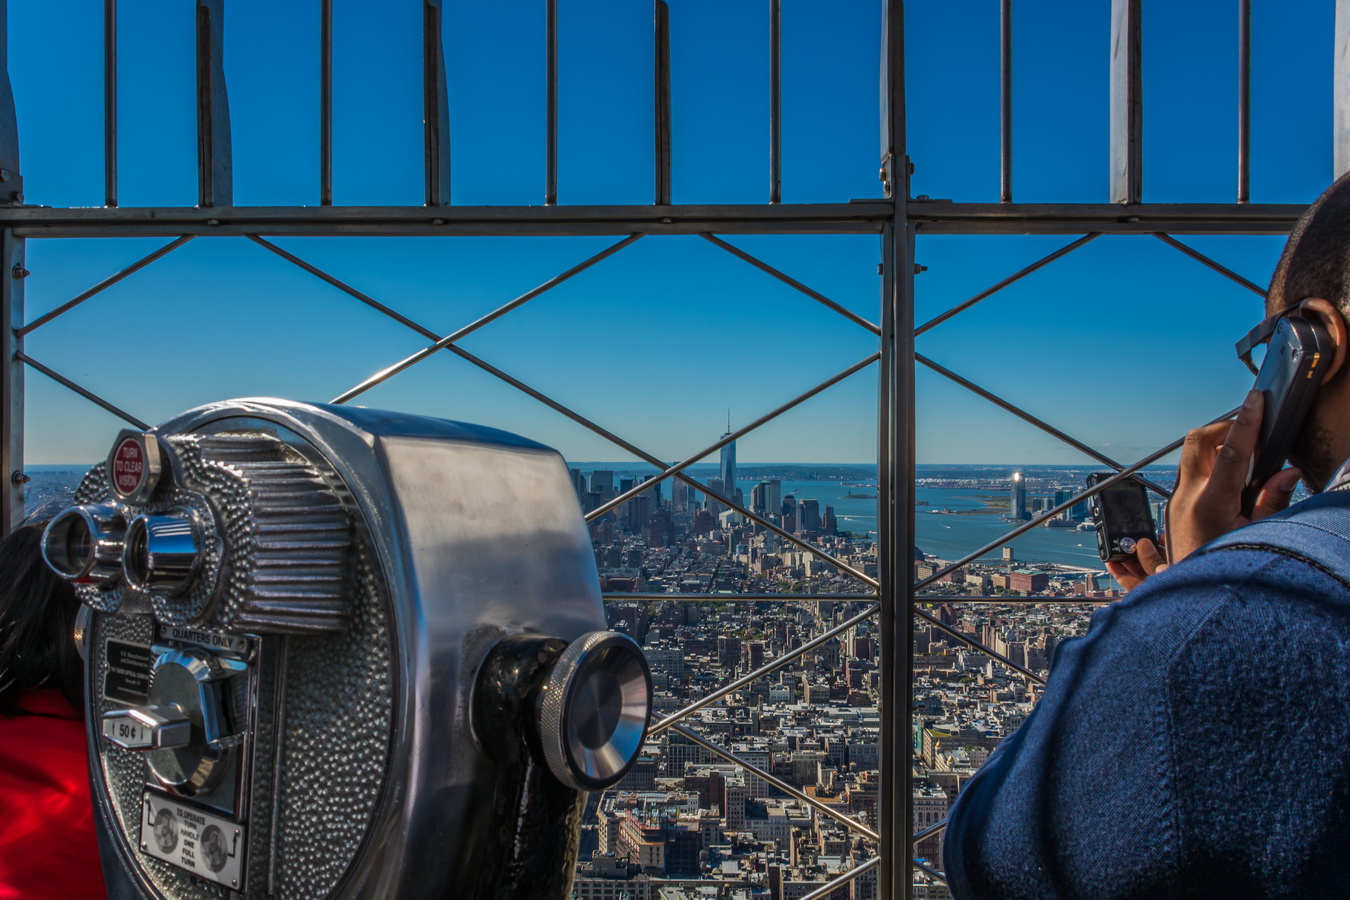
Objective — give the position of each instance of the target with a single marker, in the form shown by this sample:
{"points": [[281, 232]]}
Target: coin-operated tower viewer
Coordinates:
{"points": [[338, 652]]}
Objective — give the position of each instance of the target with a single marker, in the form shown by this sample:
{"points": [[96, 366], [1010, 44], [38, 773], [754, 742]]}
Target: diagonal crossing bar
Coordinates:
{"points": [[930, 830], [930, 872], [828, 889], [1032, 523], [978, 645], [497, 313], [1016, 276], [732, 436], [791, 282], [661, 724], [1028, 417], [847, 822], [104, 284], [1205, 260], [83, 392]]}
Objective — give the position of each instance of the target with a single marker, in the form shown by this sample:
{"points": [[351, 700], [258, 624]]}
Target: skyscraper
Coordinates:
{"points": [[728, 470], [1017, 507]]}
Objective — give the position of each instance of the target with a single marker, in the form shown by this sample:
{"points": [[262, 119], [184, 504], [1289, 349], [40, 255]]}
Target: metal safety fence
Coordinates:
{"points": [[893, 600]]}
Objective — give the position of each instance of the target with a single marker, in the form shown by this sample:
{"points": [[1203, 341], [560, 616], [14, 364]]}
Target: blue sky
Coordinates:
{"points": [[1124, 343]]}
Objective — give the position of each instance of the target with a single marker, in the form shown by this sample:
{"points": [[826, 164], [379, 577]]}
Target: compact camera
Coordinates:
{"points": [[340, 652]]}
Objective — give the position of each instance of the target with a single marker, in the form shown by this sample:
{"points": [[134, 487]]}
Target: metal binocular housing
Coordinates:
{"points": [[340, 652]]}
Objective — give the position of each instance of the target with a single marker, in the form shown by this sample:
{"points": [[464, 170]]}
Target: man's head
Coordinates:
{"points": [[1314, 274]]}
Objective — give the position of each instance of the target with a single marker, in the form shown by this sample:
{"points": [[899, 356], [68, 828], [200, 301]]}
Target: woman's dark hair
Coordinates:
{"points": [[37, 622]]}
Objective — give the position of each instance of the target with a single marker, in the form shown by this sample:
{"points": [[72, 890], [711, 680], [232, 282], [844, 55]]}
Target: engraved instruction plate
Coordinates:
{"points": [[127, 678], [207, 846]]}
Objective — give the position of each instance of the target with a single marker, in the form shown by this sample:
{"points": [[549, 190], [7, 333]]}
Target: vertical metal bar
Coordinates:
{"points": [[435, 107], [1005, 104], [662, 70], [326, 103], [1127, 102], [551, 95], [1244, 161], [896, 471], [775, 101], [215, 170], [11, 182], [1341, 80], [11, 381], [110, 103]]}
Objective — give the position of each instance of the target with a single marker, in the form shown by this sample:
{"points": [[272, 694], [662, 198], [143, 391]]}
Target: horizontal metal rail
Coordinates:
{"points": [[801, 796], [862, 217], [858, 217], [945, 217], [853, 873], [736, 598], [660, 724], [1020, 599]]}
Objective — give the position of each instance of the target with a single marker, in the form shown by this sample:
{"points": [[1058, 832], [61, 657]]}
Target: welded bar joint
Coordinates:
{"points": [[11, 383]]}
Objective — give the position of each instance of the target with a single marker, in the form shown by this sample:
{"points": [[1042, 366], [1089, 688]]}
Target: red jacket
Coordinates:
{"points": [[47, 843]]}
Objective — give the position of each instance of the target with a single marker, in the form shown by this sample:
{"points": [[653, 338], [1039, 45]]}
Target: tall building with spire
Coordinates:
{"points": [[728, 470], [1017, 505]]}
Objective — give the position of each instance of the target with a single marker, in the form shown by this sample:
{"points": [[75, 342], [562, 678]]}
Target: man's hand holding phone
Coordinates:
{"points": [[1215, 460]]}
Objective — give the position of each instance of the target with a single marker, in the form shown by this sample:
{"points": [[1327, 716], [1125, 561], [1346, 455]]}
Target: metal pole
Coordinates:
{"points": [[12, 371], [110, 103], [1244, 159], [551, 100], [326, 103], [775, 101], [1341, 90], [896, 471], [1005, 105], [11, 181], [1127, 105], [435, 107], [662, 78], [215, 170]]}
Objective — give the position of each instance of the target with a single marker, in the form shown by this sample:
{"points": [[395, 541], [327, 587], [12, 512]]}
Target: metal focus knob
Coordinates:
{"points": [[160, 727], [593, 710]]}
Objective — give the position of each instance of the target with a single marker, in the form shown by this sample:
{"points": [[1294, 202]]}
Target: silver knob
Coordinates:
{"points": [[593, 710], [160, 727]]}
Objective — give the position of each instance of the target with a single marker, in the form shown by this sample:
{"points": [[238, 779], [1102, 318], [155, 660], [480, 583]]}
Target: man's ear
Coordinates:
{"points": [[1332, 320]]}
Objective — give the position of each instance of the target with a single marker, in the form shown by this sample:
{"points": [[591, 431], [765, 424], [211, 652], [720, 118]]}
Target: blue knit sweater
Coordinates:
{"points": [[1194, 743]]}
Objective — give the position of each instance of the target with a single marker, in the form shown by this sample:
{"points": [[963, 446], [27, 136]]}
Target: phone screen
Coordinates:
{"points": [[1125, 508]]}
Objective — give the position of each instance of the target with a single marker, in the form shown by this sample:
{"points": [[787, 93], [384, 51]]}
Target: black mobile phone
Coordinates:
{"points": [[1122, 514], [1288, 379]]}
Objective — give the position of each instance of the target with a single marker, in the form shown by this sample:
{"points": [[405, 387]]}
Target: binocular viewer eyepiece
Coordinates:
{"points": [[92, 545], [325, 646]]}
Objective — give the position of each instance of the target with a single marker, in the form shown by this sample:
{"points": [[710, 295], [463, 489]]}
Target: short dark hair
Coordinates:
{"points": [[37, 622], [1317, 255]]}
